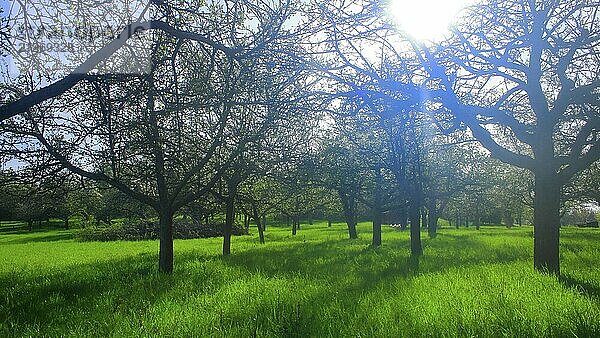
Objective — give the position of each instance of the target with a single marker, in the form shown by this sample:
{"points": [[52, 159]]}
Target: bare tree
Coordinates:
{"points": [[522, 76], [166, 137]]}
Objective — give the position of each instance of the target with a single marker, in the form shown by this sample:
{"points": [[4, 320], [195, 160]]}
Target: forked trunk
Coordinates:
{"points": [[546, 220]]}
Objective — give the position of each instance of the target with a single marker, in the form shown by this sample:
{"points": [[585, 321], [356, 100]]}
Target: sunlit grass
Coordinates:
{"points": [[318, 283]]}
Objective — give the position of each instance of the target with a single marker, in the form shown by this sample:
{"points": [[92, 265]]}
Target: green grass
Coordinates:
{"points": [[318, 283]]}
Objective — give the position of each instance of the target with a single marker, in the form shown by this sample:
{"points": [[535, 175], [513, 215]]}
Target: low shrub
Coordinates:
{"points": [[149, 230]]}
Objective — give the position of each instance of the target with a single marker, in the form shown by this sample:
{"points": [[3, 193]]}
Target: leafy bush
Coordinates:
{"points": [[148, 230]]}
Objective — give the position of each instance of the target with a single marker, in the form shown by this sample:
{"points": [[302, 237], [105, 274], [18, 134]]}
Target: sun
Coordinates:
{"points": [[425, 20]]}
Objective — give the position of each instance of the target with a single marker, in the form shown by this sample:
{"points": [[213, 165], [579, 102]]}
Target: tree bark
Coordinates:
{"points": [[432, 221], [415, 228], [377, 214], [329, 223], [165, 260], [352, 232], [348, 206], [259, 226], [246, 222], [66, 220], [294, 226], [261, 232], [377, 228], [509, 219], [403, 219], [229, 219], [546, 219]]}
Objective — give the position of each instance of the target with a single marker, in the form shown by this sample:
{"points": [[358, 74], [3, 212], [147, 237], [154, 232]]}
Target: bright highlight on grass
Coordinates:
{"points": [[425, 20]]}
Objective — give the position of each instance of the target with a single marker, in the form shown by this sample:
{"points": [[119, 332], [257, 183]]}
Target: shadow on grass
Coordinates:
{"points": [[22, 229], [339, 271], [86, 290], [49, 237], [331, 259], [586, 288]]}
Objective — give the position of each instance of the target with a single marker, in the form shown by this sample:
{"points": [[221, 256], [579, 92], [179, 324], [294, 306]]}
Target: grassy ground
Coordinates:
{"points": [[318, 283]]}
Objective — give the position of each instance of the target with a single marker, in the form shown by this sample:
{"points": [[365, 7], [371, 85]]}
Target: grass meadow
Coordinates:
{"points": [[315, 284]]}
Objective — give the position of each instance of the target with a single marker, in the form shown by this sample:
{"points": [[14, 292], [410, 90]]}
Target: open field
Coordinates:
{"points": [[318, 283]]}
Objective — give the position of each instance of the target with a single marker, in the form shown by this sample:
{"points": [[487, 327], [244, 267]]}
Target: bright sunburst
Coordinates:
{"points": [[425, 20]]}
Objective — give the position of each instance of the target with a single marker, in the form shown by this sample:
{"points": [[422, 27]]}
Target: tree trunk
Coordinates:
{"points": [[294, 226], [352, 230], [415, 229], [30, 225], [246, 222], [377, 228], [424, 217], [509, 219], [403, 219], [165, 260], [432, 221], [261, 232], [229, 219], [546, 219], [348, 206], [259, 226], [66, 220], [377, 214], [329, 223]]}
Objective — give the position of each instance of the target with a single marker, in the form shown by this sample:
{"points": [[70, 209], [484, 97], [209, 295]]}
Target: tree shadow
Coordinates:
{"points": [[583, 287], [328, 260], [47, 237], [40, 299]]}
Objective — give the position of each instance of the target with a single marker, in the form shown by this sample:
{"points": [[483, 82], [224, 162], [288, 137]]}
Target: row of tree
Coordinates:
{"points": [[230, 98]]}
